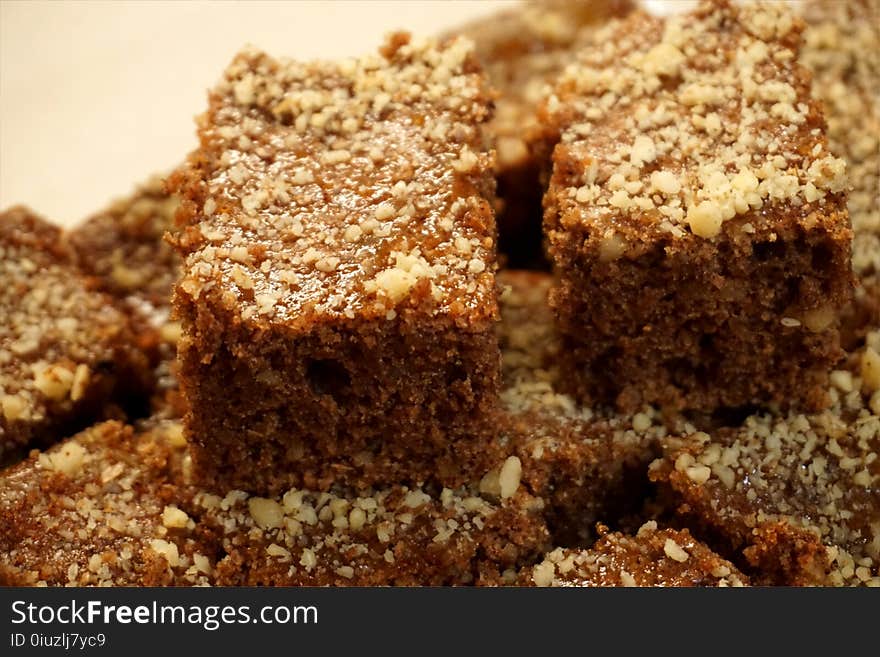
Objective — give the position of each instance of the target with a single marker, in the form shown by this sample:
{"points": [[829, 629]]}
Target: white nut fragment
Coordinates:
{"points": [[68, 459], [611, 248], [173, 433], [641, 422], [275, 550], [81, 377], [842, 380], [167, 550], [54, 381], [819, 319], [509, 478], [502, 481], [308, 560], [466, 162], [870, 369], [674, 551], [544, 573], [511, 151], [174, 518], [665, 182], [395, 283], [384, 211], [705, 219], [14, 407], [699, 473], [268, 514], [126, 277]]}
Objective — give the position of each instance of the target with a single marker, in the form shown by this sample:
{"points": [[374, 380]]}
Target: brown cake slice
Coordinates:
{"points": [[66, 352], [653, 557], [696, 219], [123, 251], [113, 506], [123, 248], [795, 498], [522, 50], [102, 508], [338, 299], [841, 42]]}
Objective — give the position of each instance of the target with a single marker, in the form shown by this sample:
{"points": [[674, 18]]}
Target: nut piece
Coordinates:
{"points": [[705, 219], [174, 518], [268, 514], [67, 460], [543, 573], [81, 377], [167, 550], [510, 475], [502, 482], [54, 381], [819, 319], [674, 551], [14, 407], [870, 368]]}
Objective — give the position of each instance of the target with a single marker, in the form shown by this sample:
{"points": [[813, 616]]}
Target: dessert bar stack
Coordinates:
{"points": [[303, 357]]}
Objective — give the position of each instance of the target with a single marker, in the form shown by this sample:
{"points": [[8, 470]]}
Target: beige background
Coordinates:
{"points": [[95, 96]]}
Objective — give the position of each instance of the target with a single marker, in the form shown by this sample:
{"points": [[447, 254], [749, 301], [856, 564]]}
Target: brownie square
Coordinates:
{"points": [[696, 220], [338, 297], [67, 354], [793, 499]]}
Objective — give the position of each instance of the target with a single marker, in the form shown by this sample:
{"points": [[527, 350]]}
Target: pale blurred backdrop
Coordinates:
{"points": [[95, 96]]}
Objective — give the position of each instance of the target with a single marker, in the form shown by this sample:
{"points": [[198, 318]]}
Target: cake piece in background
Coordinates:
{"points": [[123, 251], [653, 557], [123, 248], [522, 50], [795, 498], [338, 300], [841, 42], [696, 219], [67, 354], [104, 507]]}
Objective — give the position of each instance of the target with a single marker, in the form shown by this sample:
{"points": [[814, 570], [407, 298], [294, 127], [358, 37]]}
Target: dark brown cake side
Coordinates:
{"points": [[338, 299], [67, 354], [696, 220]]}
